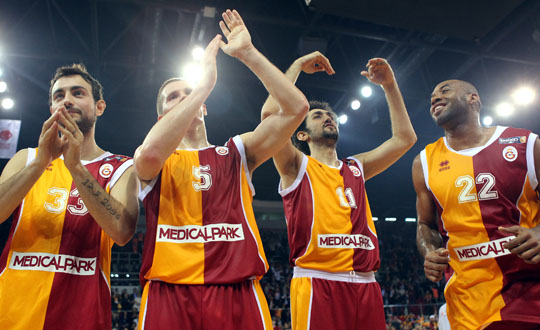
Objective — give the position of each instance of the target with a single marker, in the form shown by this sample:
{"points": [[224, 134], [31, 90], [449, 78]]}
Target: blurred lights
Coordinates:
{"points": [[488, 120], [1, 72], [390, 219], [3, 86], [410, 219], [192, 73], [343, 119], [523, 96], [366, 91], [197, 53], [375, 218], [505, 109], [355, 105], [7, 103]]}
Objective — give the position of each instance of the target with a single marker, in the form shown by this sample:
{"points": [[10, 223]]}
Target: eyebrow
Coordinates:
{"points": [[443, 86], [70, 88]]}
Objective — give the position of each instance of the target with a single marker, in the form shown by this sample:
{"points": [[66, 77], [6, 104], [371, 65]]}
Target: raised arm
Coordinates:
{"points": [[428, 239], [276, 130], [116, 213], [403, 137], [17, 179], [165, 136], [287, 160]]}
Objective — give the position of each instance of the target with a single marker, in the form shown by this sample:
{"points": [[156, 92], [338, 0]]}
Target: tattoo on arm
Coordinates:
{"points": [[104, 200]]}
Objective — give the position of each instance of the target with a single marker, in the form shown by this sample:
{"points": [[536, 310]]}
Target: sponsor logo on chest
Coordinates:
{"points": [[345, 241], [219, 232], [487, 250], [56, 263], [514, 139]]}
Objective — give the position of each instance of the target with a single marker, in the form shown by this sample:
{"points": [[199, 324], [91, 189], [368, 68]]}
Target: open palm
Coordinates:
{"points": [[234, 29]]}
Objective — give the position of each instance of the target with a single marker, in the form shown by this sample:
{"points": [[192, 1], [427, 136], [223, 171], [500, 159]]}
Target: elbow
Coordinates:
{"points": [[124, 236], [147, 163]]}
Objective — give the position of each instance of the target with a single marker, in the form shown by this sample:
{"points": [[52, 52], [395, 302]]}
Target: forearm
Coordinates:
{"points": [[270, 106], [165, 136], [427, 239], [14, 189], [290, 99], [402, 129], [109, 213]]}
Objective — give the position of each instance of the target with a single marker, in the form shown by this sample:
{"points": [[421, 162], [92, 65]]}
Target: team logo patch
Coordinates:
{"points": [[355, 170], [222, 151], [514, 139], [487, 250], [510, 153], [106, 170]]}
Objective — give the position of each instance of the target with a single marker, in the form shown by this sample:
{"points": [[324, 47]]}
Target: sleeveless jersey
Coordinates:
{"points": [[328, 217], [200, 226], [476, 191], [55, 267]]}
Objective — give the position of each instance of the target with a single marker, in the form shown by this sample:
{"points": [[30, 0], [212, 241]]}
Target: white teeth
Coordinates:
{"points": [[438, 107]]}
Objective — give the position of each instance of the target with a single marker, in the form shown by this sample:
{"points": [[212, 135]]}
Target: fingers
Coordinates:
{"points": [[224, 29], [213, 47], [49, 122]]}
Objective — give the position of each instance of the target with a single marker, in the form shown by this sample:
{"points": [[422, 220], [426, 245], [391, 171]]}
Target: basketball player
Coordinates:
{"points": [[70, 201], [332, 238], [203, 256], [477, 204]]}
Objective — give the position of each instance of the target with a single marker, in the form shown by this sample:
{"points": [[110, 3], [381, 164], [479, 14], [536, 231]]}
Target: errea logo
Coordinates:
{"points": [[444, 165]]}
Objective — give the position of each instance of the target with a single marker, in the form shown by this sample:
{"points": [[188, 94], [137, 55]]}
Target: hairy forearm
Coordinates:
{"points": [[14, 189], [110, 214], [427, 239], [402, 128], [289, 98]]}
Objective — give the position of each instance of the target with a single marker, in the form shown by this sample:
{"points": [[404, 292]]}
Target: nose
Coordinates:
{"points": [[435, 99]]}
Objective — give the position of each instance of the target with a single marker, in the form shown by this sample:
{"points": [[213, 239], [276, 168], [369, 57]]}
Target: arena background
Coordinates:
{"points": [[132, 46]]}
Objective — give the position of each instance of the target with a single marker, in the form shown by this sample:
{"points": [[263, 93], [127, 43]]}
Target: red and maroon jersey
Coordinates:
{"points": [[329, 221], [476, 191], [200, 223], [55, 267]]}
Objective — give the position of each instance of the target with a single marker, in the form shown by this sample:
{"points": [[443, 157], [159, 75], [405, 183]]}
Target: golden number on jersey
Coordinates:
{"points": [[203, 179], [351, 202], [61, 196], [467, 183]]}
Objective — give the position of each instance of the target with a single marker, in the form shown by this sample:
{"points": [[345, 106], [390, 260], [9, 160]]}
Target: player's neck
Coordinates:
{"points": [[89, 148], [195, 139], [468, 136], [324, 154]]}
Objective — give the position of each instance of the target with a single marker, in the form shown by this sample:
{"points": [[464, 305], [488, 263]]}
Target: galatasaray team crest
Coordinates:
{"points": [[355, 170], [510, 153], [222, 151], [106, 170]]}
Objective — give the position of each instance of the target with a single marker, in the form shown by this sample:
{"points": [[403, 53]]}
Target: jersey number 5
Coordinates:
{"points": [[202, 177], [467, 182]]}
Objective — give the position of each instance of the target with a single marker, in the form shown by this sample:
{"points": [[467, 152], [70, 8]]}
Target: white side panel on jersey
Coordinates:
{"points": [[119, 171], [148, 188], [32, 153], [531, 170], [240, 146], [425, 169], [298, 179]]}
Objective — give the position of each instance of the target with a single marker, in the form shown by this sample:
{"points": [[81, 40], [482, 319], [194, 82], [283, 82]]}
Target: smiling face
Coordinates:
{"points": [[453, 102], [75, 94]]}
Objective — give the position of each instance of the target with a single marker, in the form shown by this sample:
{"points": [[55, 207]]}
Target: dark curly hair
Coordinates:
{"points": [[303, 145]]}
